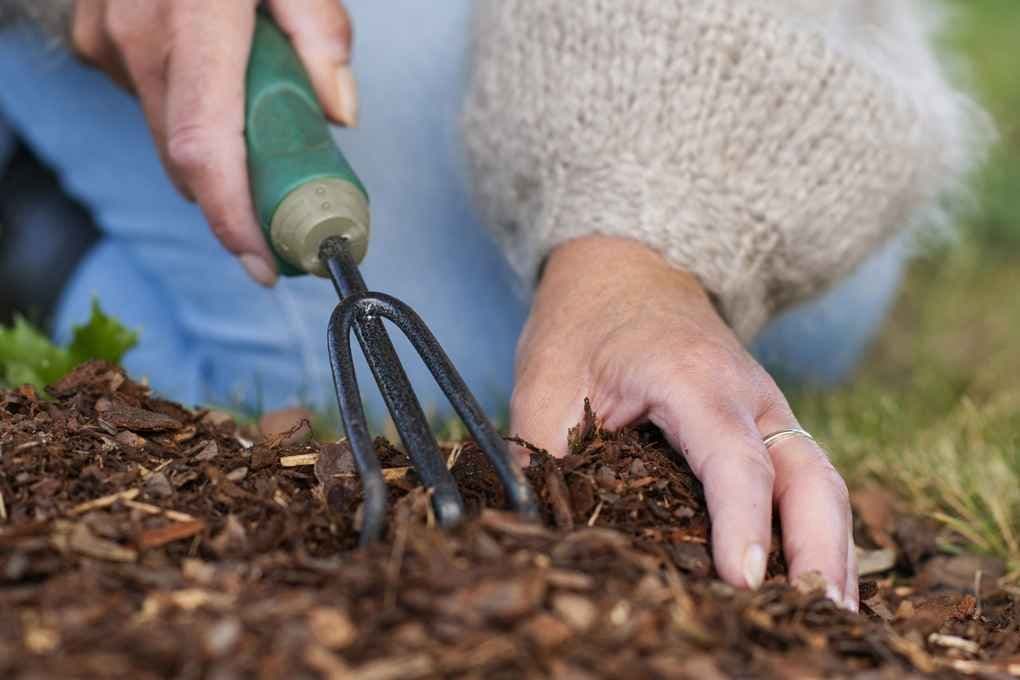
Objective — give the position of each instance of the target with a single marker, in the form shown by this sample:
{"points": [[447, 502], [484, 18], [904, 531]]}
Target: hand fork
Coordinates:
{"points": [[314, 212]]}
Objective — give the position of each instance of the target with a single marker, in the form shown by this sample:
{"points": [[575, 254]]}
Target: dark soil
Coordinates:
{"points": [[141, 540]]}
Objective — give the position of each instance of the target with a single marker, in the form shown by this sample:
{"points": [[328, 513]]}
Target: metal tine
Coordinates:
{"points": [[357, 309], [519, 492], [352, 413]]}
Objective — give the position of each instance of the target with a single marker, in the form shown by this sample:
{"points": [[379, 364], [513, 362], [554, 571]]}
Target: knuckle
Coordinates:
{"points": [[223, 232], [88, 48], [188, 147], [87, 42], [838, 485], [120, 27], [824, 471], [336, 24]]}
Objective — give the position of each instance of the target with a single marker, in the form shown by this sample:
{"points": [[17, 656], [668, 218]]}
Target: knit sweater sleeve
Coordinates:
{"points": [[766, 146]]}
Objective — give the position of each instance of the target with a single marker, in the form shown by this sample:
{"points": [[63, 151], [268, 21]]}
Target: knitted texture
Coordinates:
{"points": [[765, 146]]}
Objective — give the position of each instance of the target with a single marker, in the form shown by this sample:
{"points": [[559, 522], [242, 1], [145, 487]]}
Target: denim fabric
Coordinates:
{"points": [[212, 336]]}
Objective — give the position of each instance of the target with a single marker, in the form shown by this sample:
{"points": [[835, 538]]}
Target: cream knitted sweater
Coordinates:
{"points": [[766, 146]]}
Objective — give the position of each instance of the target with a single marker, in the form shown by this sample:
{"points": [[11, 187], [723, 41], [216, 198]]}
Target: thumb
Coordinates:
{"points": [[544, 406], [320, 31]]}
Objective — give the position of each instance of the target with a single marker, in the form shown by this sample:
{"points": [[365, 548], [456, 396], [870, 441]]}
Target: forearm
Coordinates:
{"points": [[765, 147], [53, 16]]}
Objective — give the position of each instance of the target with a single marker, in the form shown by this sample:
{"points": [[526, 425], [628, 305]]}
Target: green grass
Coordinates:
{"points": [[935, 413]]}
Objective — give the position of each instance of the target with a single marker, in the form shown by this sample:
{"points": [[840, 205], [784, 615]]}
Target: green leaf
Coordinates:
{"points": [[103, 337], [28, 356]]}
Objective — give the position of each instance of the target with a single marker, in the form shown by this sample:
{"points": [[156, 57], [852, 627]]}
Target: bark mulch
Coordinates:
{"points": [[142, 540]]}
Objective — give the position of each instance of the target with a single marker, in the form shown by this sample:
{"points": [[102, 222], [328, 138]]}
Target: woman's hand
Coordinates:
{"points": [[186, 60], [615, 322]]}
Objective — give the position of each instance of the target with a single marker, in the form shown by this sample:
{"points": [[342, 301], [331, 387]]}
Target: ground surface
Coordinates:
{"points": [[935, 413], [141, 540]]}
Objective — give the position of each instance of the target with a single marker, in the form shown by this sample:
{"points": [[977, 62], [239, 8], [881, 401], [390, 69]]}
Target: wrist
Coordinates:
{"points": [[603, 265]]}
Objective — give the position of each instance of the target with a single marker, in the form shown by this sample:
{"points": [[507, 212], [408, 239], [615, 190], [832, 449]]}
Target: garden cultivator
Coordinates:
{"points": [[314, 212]]}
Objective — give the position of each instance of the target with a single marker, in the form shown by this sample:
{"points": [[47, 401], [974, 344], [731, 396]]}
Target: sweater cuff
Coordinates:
{"points": [[750, 148]]}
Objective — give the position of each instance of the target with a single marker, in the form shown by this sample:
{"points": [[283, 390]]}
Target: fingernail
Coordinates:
{"points": [[258, 269], [348, 93], [832, 592], [851, 605], [754, 566]]}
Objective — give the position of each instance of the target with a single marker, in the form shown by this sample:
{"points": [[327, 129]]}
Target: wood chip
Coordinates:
{"points": [[578, 612], [300, 460], [394, 474], [954, 642], [396, 668], [595, 515], [512, 525], [104, 502], [454, 456], [154, 538], [83, 541], [875, 561], [558, 495], [913, 652], [332, 628], [149, 509], [125, 417], [3, 508], [186, 599]]}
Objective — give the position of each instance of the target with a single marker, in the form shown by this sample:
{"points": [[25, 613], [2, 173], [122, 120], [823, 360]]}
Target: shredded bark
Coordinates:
{"points": [[142, 540]]}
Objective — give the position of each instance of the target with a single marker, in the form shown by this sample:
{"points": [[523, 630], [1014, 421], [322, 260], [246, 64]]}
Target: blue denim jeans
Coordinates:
{"points": [[209, 335]]}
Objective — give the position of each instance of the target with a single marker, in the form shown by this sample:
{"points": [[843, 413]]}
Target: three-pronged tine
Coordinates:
{"points": [[362, 311]]}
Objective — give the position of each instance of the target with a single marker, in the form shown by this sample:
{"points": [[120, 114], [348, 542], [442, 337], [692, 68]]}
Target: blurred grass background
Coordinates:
{"points": [[935, 412]]}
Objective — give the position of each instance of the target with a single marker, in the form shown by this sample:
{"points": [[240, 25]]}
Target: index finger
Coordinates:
{"points": [[205, 107], [722, 446], [320, 31]]}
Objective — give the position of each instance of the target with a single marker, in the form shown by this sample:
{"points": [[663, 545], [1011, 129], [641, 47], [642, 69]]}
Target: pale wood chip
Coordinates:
{"points": [[83, 541], [300, 460], [389, 474], [454, 456], [3, 508], [396, 668], [332, 628], [982, 668], [595, 515], [954, 642], [187, 599], [875, 561], [104, 502], [395, 474], [149, 509], [914, 653], [38, 638], [331, 666]]}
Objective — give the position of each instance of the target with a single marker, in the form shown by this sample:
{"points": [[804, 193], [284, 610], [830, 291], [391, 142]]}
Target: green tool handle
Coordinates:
{"points": [[303, 188]]}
